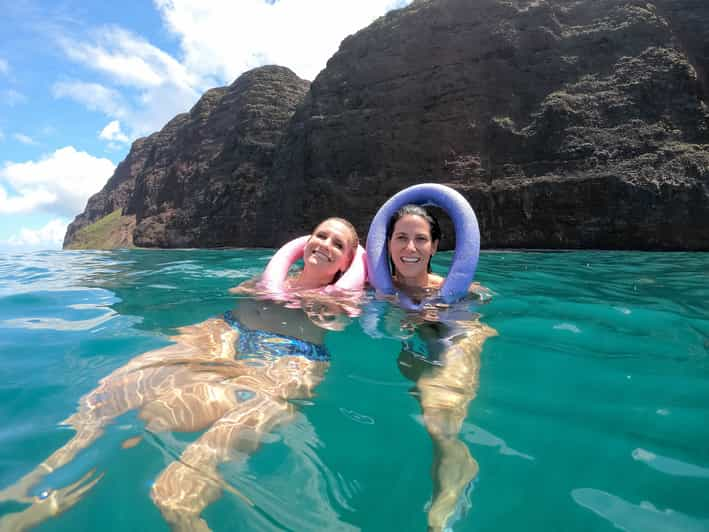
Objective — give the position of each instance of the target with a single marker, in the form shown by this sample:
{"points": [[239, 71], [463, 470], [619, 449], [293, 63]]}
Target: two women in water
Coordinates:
{"points": [[234, 379]]}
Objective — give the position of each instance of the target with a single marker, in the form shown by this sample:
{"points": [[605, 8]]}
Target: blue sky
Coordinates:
{"points": [[79, 81]]}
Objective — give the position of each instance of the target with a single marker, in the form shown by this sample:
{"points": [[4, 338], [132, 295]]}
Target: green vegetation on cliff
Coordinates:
{"points": [[110, 232]]}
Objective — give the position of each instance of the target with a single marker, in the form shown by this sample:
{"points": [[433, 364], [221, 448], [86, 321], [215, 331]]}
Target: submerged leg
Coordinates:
{"points": [[186, 487], [112, 398], [83, 438], [445, 393], [189, 408], [129, 387]]}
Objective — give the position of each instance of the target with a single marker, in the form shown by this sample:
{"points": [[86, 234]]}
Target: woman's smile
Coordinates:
{"points": [[322, 255], [329, 248], [411, 247]]}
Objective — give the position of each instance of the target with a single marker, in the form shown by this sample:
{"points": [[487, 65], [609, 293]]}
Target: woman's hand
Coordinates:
{"points": [[325, 314], [484, 294], [331, 311], [247, 287]]}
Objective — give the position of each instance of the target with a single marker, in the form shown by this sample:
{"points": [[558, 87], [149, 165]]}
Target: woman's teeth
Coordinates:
{"points": [[410, 260], [321, 254]]}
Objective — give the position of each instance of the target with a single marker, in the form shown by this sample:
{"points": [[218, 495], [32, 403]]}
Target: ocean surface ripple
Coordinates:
{"points": [[590, 413]]}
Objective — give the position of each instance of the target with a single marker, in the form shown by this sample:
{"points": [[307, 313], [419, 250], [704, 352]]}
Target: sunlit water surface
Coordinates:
{"points": [[591, 412]]}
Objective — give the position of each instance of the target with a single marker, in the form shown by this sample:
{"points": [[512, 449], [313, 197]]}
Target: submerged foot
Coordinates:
{"points": [[50, 504], [19, 491], [451, 501]]}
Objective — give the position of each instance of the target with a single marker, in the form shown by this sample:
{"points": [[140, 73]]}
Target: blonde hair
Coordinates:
{"points": [[353, 232], [354, 237]]}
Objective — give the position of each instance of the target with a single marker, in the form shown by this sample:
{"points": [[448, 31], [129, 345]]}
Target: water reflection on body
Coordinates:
{"points": [[205, 382], [248, 399], [444, 364], [442, 357]]}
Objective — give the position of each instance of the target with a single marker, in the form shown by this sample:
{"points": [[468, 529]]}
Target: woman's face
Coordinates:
{"points": [[411, 247], [330, 248]]}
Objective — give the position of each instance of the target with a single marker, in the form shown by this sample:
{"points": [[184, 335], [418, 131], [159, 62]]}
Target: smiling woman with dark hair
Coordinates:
{"points": [[414, 213], [442, 358], [413, 235]]}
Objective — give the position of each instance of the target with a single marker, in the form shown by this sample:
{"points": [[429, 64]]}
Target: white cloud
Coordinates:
{"points": [[51, 236], [24, 139], [225, 38], [2, 135], [59, 183], [129, 59], [25, 202], [113, 132], [154, 85], [150, 112], [94, 96], [12, 97], [4, 66], [219, 40]]}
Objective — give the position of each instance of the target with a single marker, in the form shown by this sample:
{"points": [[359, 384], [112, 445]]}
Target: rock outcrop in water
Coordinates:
{"points": [[567, 124]]}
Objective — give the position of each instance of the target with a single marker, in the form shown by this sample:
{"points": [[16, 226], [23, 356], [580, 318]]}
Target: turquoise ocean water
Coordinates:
{"points": [[592, 410]]}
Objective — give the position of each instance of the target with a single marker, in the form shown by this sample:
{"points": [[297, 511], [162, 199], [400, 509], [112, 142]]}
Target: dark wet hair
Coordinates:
{"points": [[414, 210]]}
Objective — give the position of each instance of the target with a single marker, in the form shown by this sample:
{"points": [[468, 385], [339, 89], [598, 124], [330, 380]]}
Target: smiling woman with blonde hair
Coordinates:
{"points": [[233, 379]]}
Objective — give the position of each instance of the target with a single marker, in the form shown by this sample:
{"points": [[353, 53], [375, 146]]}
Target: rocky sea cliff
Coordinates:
{"points": [[566, 124]]}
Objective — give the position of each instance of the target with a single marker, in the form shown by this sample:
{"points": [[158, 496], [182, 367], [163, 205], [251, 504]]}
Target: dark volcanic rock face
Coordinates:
{"points": [[207, 169], [199, 181], [566, 124]]}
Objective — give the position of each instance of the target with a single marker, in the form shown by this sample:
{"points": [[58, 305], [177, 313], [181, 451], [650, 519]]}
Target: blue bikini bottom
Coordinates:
{"points": [[266, 343]]}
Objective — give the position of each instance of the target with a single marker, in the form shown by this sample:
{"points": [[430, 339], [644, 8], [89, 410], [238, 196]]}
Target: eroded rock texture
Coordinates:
{"points": [[565, 123], [199, 181]]}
